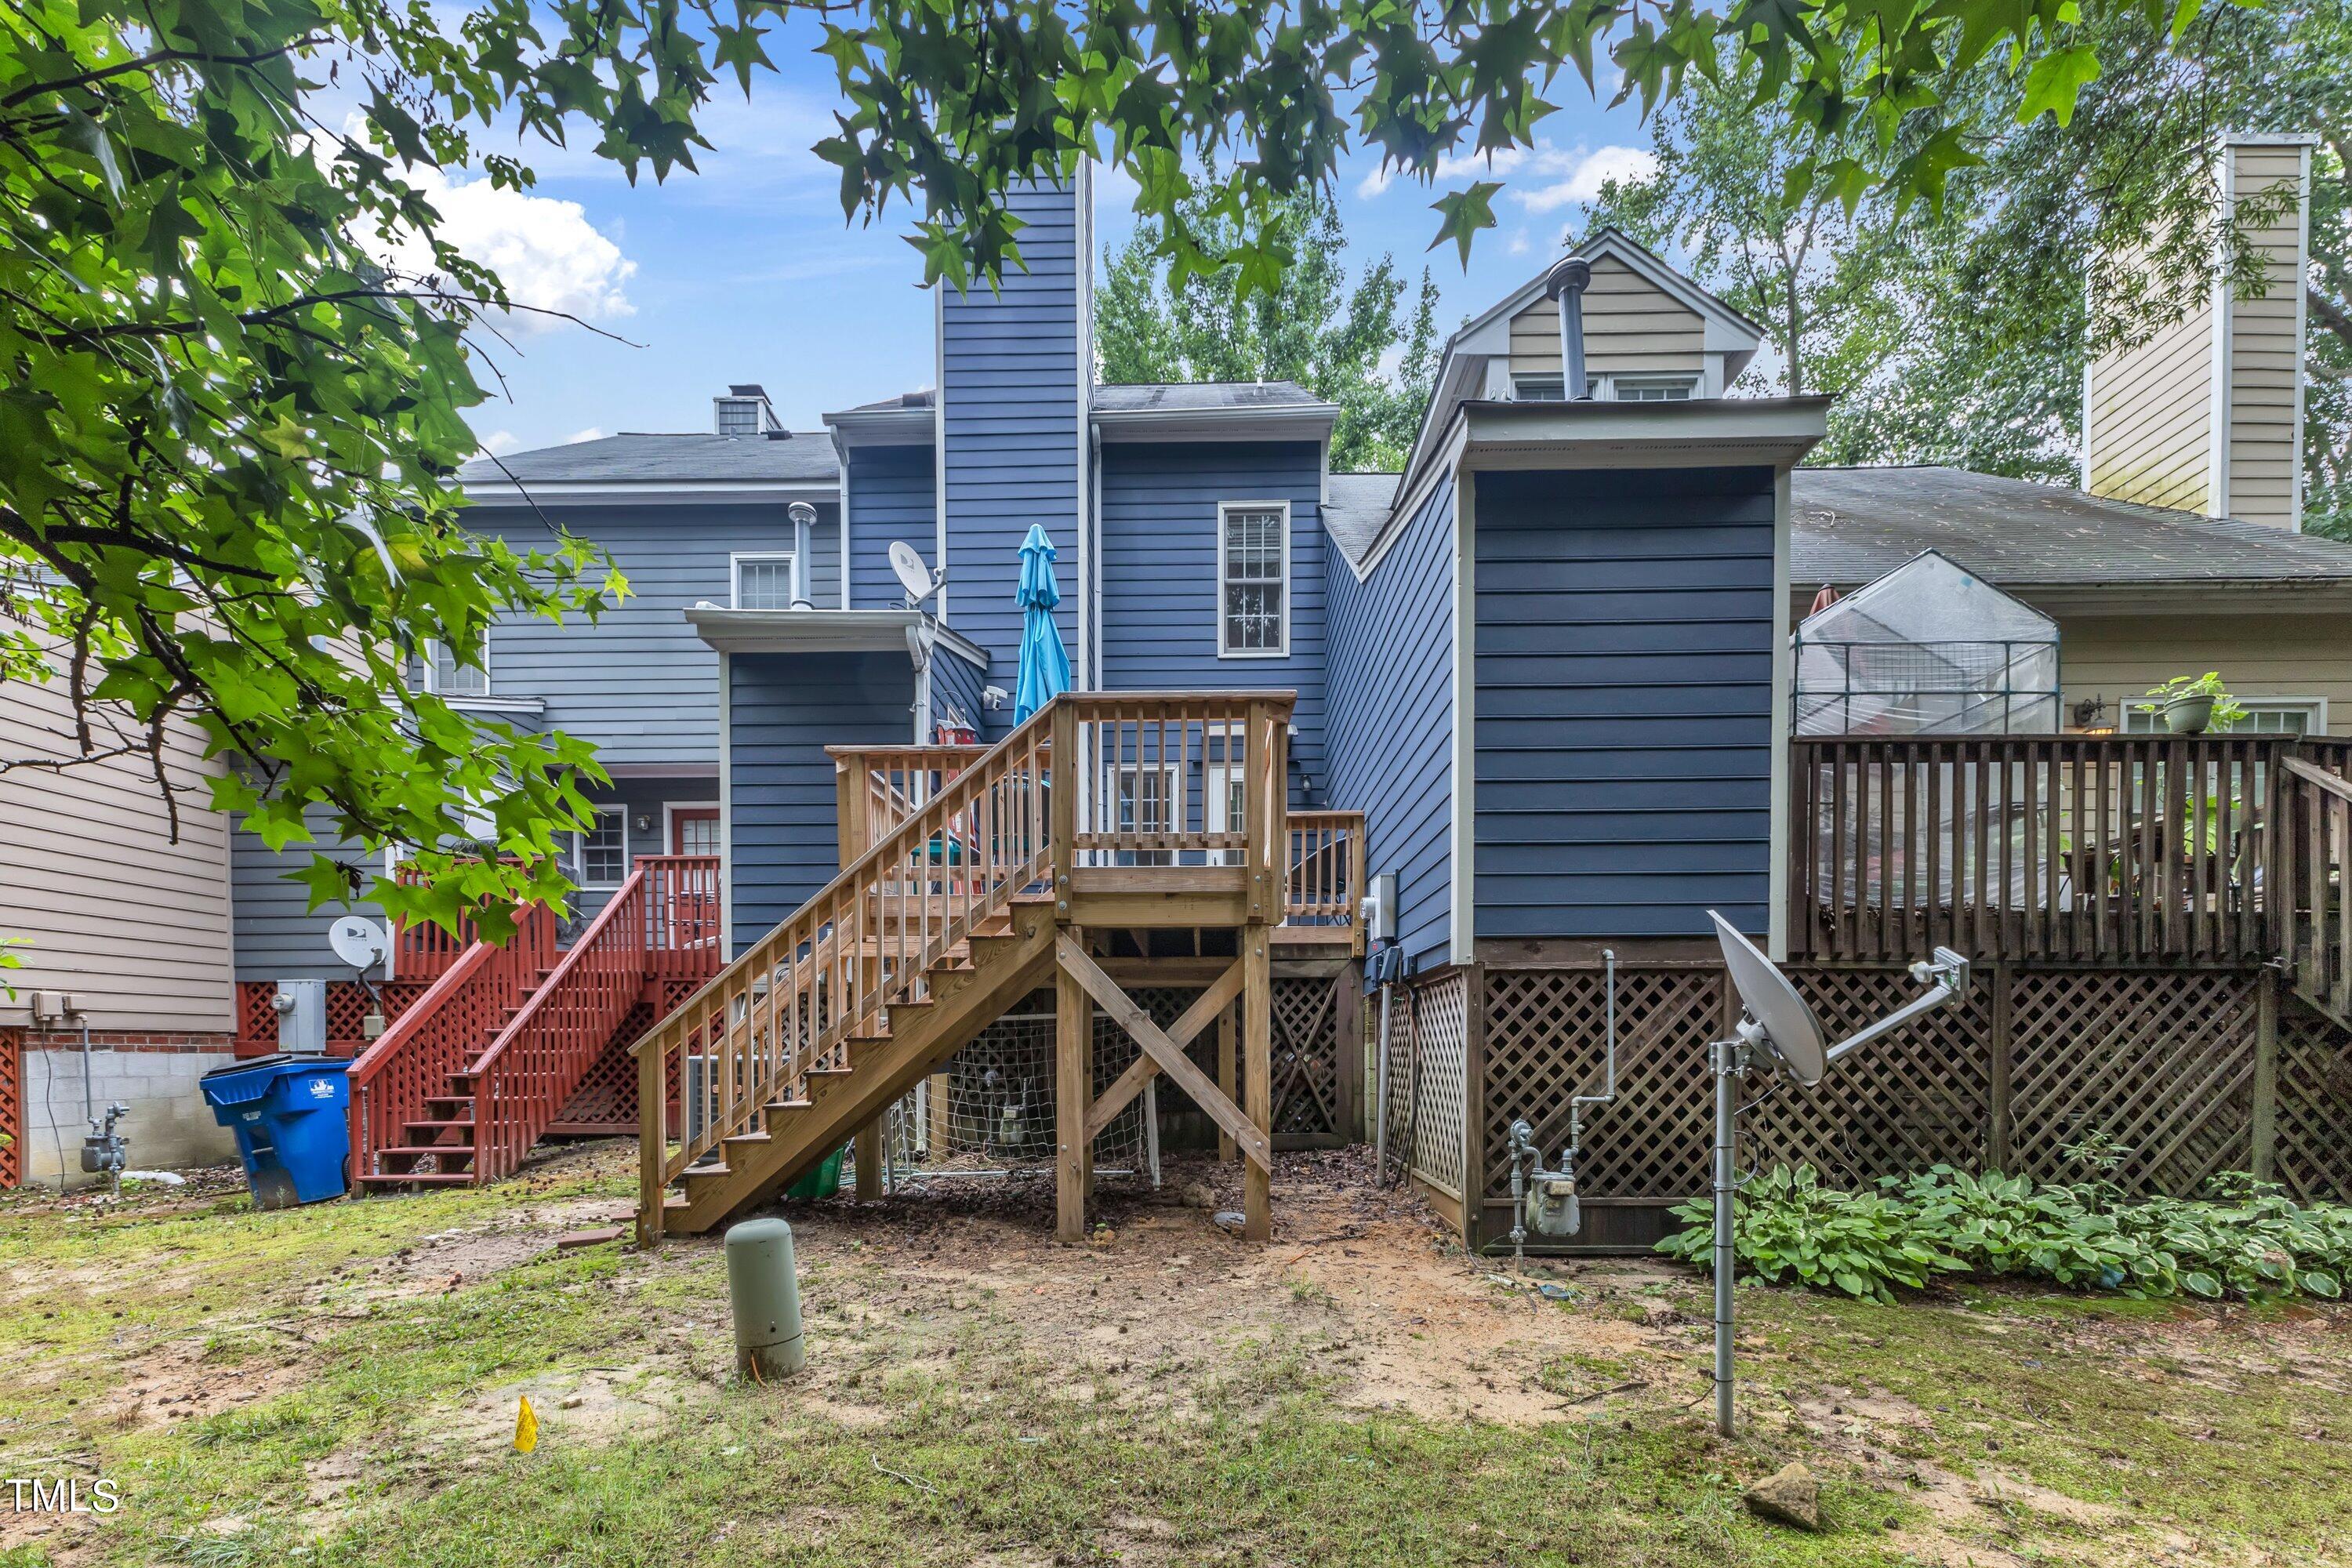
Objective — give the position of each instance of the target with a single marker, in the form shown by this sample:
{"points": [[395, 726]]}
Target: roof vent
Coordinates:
{"points": [[1565, 283]]}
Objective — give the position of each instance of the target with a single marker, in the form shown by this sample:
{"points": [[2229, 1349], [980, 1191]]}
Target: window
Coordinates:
{"points": [[739, 415], [1144, 803], [2265, 716], [1539, 388], [600, 858], [1254, 578], [764, 582], [1225, 787], [1652, 388], [444, 677]]}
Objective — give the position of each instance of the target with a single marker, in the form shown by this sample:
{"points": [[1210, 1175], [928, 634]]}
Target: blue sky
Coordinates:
{"points": [[747, 272]]}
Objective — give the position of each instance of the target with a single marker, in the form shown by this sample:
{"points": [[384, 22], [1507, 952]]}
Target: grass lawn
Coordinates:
{"points": [[339, 1385]]}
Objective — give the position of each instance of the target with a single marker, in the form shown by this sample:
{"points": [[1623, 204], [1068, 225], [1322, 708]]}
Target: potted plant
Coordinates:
{"points": [[2192, 704]]}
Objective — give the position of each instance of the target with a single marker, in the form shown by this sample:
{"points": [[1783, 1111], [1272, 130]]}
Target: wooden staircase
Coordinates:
{"points": [[466, 1081], [952, 911]]}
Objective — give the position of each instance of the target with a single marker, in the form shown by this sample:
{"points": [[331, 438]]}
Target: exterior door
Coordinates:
{"points": [[694, 830]]}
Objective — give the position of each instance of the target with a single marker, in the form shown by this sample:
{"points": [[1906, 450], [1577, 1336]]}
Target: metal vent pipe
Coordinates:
{"points": [[804, 518], [1566, 283]]}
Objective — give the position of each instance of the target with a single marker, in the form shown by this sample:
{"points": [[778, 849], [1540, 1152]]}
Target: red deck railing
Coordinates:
{"points": [[442, 1033], [664, 920]]}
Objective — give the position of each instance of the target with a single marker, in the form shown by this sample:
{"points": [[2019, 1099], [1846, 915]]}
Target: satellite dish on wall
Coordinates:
{"points": [[358, 941], [1789, 1031], [918, 579]]}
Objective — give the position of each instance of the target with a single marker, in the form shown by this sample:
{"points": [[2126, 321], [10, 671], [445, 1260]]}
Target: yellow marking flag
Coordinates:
{"points": [[526, 1426]]}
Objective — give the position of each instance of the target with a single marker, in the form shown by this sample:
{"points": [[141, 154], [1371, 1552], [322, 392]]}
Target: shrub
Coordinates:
{"points": [[2246, 1239]]}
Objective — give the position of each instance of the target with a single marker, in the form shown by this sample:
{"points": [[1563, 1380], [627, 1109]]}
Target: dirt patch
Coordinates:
{"points": [[593, 1406]]}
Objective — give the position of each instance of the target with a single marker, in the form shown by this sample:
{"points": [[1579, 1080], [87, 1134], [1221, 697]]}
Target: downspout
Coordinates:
{"points": [[1566, 283], [804, 518]]}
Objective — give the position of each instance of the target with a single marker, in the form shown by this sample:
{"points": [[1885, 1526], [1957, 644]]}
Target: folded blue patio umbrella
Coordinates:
{"points": [[1045, 666]]}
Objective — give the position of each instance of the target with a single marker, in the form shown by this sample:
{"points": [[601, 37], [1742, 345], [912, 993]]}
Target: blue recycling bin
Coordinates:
{"points": [[290, 1115]]}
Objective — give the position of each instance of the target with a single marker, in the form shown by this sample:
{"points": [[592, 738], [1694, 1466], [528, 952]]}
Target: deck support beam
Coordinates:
{"points": [[1257, 1083], [1073, 1087]]}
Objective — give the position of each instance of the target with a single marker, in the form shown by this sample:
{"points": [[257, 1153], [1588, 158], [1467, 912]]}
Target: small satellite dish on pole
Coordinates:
{"points": [[919, 581], [1779, 1034], [357, 941]]}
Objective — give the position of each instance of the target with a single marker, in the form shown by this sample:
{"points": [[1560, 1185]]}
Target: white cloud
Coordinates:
{"points": [[548, 254], [593, 433], [1520, 244], [1582, 173], [499, 443], [1542, 178]]}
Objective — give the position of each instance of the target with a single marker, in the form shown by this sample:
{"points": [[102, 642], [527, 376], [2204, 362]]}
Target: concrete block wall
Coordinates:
{"points": [[169, 1127]]}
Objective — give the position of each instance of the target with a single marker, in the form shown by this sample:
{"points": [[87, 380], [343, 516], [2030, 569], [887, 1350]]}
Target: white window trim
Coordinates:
{"points": [[1283, 649], [1217, 781], [2316, 707], [735, 559], [1171, 802], [580, 851], [1689, 382], [670, 808], [489, 685]]}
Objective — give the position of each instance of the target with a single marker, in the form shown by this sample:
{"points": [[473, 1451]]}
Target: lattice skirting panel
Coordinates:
{"points": [[347, 1006], [607, 1098], [1428, 1083], [12, 1108], [2165, 1071]]}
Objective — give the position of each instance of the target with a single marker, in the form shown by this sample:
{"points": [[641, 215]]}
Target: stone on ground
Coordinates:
{"points": [[1789, 1495]]}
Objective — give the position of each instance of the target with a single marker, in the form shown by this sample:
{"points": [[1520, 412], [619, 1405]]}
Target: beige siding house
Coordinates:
{"points": [[109, 910], [2207, 416]]}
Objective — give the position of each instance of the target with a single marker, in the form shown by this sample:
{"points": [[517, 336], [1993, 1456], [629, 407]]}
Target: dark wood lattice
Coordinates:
{"points": [[1546, 1034], [347, 1009], [2314, 1106], [1306, 1056], [1927, 1100], [2163, 1064], [606, 1099], [2160, 1064], [12, 1108]]}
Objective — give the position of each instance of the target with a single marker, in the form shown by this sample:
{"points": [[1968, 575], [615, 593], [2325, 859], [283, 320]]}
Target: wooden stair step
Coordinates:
{"points": [[416, 1179], [418, 1151], [413, 1129]]}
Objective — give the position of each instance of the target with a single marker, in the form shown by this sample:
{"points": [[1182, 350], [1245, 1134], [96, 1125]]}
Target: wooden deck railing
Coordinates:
{"points": [[1327, 868], [898, 779], [441, 1032], [1094, 780], [2315, 822], [665, 910], [2125, 848]]}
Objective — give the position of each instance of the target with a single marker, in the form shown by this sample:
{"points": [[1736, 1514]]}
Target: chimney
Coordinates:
{"points": [[744, 411], [1566, 283], [2207, 416]]}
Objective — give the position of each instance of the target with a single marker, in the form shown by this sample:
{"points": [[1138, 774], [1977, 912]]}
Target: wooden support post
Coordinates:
{"points": [[1258, 1078], [1062, 804], [1999, 1136], [1228, 1070], [653, 1147], [941, 1126], [869, 1161], [1474, 1104], [1073, 1081], [2262, 1159], [1348, 1042]]}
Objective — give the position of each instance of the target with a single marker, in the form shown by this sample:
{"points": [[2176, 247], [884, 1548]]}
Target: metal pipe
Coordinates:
{"points": [[1566, 283], [1381, 1089], [1729, 1056], [804, 518]]}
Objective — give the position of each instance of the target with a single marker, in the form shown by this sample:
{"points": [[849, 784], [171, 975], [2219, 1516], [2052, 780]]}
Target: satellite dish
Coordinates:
{"points": [[913, 575], [358, 941], [1790, 1033]]}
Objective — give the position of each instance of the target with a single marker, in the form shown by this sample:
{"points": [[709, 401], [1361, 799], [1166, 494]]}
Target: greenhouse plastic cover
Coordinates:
{"points": [[1929, 648]]}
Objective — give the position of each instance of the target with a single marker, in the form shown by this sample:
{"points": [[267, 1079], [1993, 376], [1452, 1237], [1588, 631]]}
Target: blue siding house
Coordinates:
{"points": [[1542, 661]]}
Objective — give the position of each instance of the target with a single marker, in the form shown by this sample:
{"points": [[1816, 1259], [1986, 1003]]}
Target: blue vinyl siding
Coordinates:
{"points": [[1391, 718], [275, 933], [890, 497], [956, 679], [1014, 429], [1624, 701], [1160, 589], [638, 683], [784, 710]]}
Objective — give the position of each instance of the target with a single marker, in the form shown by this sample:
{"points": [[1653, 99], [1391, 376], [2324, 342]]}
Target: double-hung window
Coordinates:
{"points": [[600, 857], [1145, 803], [1253, 580], [444, 677], [763, 580]]}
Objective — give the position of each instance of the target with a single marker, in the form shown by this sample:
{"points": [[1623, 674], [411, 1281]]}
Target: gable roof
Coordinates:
{"points": [[1851, 525], [798, 457], [1615, 243], [1189, 396]]}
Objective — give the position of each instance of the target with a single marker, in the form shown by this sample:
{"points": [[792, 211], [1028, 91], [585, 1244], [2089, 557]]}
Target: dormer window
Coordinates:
{"points": [[444, 677], [1538, 388]]}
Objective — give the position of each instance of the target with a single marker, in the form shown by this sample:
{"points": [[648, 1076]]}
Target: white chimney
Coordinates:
{"points": [[2207, 416]]}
